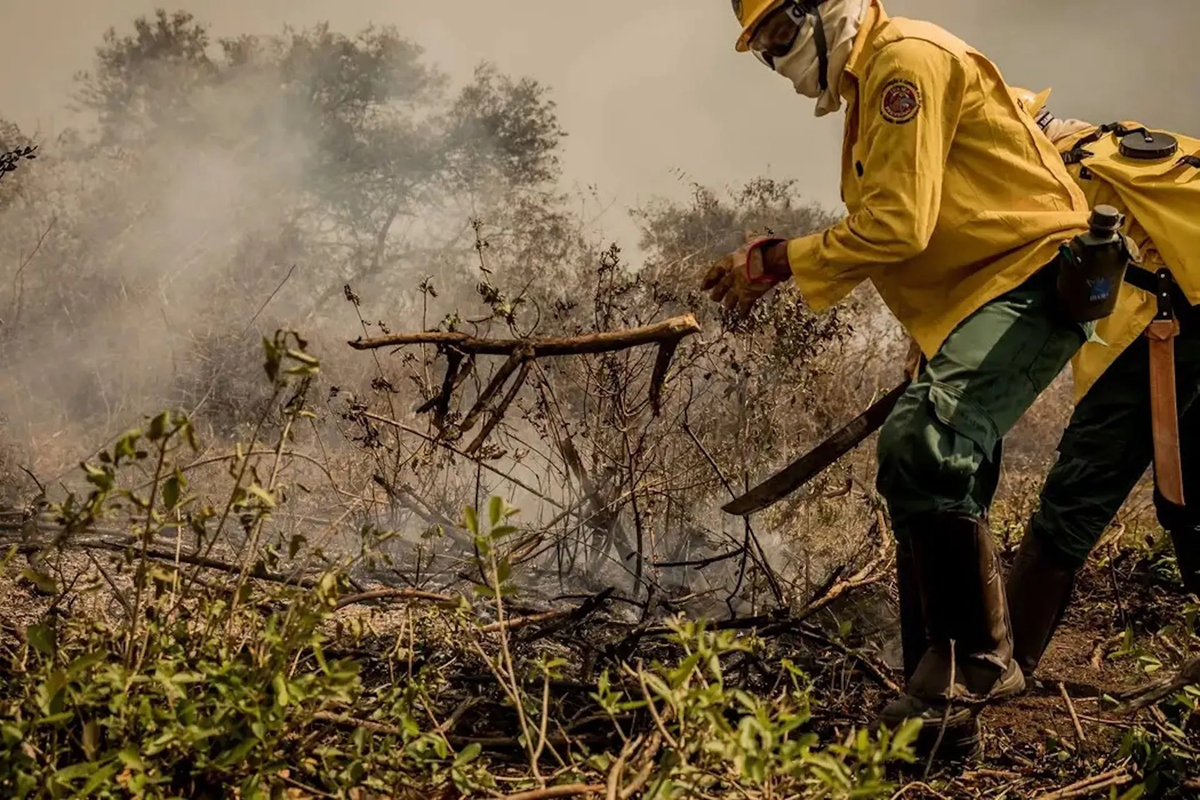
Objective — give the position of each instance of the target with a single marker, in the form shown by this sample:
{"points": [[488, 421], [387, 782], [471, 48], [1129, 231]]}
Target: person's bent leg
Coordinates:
{"points": [[1103, 452], [1183, 522], [938, 463]]}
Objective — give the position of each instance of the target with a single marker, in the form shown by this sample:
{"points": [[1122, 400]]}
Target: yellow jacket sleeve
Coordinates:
{"points": [[910, 102]]}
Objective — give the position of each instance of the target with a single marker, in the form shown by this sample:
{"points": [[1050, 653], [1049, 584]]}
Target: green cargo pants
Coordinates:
{"points": [[1107, 447], [940, 449]]}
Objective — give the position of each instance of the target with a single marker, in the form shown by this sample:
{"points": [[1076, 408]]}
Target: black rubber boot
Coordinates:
{"points": [[1183, 525], [1039, 589], [1187, 556], [965, 612]]}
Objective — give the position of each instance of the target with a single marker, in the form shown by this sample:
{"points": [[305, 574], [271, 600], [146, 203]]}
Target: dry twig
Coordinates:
{"points": [[1081, 740], [347, 721], [394, 594], [570, 790], [1089, 786]]}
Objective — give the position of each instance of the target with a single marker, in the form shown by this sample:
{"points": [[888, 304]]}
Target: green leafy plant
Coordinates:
{"points": [[715, 734]]}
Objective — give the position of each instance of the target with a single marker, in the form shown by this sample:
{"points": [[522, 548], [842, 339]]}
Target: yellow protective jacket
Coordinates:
{"points": [[1161, 204], [953, 193]]}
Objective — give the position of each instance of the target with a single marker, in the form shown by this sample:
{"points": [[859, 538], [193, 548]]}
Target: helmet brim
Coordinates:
{"points": [[743, 42]]}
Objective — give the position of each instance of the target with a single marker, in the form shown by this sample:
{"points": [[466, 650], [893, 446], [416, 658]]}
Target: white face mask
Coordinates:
{"points": [[841, 20], [801, 66]]}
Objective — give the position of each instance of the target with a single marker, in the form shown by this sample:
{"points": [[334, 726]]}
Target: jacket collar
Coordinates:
{"points": [[863, 46]]}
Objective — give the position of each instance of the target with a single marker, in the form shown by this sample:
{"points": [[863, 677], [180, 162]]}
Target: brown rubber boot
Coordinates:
{"points": [[912, 619], [963, 601], [1038, 588]]}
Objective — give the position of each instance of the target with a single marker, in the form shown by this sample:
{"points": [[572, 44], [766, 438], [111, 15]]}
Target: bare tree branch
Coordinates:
{"points": [[672, 329]]}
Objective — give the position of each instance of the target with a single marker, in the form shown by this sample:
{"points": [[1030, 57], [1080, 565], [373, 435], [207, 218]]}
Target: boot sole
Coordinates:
{"points": [[960, 743], [1009, 686]]}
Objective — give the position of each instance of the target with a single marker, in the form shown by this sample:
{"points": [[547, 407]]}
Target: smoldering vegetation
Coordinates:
{"points": [[212, 170], [231, 217], [340, 186]]}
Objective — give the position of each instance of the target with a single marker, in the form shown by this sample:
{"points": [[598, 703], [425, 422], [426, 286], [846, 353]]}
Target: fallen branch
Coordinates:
{"points": [[700, 562], [521, 352], [353, 722], [1089, 786], [1188, 675], [1081, 740], [569, 790], [809, 632], [869, 574], [670, 330], [516, 623], [394, 594], [577, 615], [167, 556], [404, 496]]}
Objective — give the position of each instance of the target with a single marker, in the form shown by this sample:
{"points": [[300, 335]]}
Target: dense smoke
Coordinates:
{"points": [[229, 187]]}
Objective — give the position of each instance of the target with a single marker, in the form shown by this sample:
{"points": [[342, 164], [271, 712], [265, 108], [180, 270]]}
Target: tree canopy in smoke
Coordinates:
{"points": [[210, 169]]}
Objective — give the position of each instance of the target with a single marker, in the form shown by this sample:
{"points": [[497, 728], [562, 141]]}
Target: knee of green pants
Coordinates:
{"points": [[1078, 501], [926, 463], [1062, 532]]}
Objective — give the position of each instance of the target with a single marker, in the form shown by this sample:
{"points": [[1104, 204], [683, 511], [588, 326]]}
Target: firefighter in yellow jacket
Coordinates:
{"points": [[1153, 177], [958, 207]]}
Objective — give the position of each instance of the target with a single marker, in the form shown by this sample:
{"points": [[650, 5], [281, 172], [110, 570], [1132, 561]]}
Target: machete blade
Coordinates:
{"points": [[803, 469]]}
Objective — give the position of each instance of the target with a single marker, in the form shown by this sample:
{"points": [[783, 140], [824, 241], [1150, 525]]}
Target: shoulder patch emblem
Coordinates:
{"points": [[900, 102]]}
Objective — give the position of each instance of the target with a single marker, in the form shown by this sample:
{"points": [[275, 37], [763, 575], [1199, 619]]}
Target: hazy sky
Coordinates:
{"points": [[648, 88]]}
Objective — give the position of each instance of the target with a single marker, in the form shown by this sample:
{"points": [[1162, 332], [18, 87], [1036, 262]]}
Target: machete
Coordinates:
{"points": [[803, 469]]}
